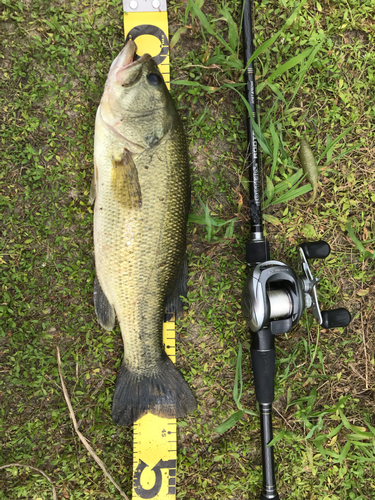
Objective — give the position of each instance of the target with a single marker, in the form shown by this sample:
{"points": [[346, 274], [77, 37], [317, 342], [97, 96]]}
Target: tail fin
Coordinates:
{"points": [[166, 394]]}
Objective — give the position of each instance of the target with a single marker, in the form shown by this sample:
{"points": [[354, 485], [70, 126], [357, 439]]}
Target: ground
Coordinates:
{"points": [[320, 67]]}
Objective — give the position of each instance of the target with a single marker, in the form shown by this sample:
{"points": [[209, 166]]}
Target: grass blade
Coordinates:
{"points": [[280, 435], [210, 222], [289, 182], [330, 151], [232, 27], [176, 36], [230, 422], [276, 144], [207, 26], [272, 219], [292, 194], [190, 83], [262, 48], [344, 452], [238, 377], [276, 91], [354, 238], [304, 70], [331, 145], [230, 230], [289, 64], [249, 412], [269, 192], [262, 141], [199, 4], [335, 431], [341, 154], [207, 220]]}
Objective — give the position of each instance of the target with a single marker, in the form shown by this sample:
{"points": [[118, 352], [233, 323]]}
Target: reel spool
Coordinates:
{"points": [[275, 297]]}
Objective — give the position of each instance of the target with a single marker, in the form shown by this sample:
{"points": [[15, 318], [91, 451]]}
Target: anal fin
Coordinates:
{"points": [[105, 312]]}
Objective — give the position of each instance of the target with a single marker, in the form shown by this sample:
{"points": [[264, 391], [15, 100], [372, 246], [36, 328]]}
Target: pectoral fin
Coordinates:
{"points": [[104, 310], [125, 181]]}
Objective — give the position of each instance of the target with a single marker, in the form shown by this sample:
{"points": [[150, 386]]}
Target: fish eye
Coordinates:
{"points": [[154, 79]]}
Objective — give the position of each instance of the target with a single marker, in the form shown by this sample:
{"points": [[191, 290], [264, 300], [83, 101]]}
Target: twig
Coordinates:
{"points": [[38, 470], [213, 66], [351, 365], [80, 435], [282, 416], [364, 348]]}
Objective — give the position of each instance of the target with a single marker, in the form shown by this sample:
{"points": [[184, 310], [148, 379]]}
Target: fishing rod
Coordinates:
{"points": [[257, 248], [274, 296]]}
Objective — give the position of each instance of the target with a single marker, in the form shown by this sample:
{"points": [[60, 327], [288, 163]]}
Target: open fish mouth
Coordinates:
{"points": [[125, 59]]}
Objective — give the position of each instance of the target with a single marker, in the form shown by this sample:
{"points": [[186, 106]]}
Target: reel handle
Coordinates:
{"points": [[336, 318], [316, 249]]}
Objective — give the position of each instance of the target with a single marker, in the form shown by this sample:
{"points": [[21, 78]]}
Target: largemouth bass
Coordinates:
{"points": [[142, 193]]}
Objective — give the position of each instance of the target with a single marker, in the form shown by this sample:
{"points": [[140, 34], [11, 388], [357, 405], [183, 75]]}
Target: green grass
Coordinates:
{"points": [[320, 67]]}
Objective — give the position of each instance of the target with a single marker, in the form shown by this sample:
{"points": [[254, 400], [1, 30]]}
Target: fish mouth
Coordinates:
{"points": [[125, 59]]}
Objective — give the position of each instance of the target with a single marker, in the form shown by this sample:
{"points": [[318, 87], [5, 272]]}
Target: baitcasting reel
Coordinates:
{"points": [[275, 297], [273, 300]]}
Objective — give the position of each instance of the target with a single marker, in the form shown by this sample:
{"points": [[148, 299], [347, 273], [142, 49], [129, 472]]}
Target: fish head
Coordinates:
{"points": [[136, 103]]}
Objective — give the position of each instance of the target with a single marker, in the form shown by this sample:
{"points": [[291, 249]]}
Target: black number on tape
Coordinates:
{"points": [[150, 29], [152, 492]]}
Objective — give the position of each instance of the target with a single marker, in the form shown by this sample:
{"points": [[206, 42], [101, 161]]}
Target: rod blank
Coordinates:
{"points": [[253, 161]]}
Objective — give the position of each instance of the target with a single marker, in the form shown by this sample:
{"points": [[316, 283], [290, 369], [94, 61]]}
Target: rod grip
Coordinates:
{"points": [[264, 374]]}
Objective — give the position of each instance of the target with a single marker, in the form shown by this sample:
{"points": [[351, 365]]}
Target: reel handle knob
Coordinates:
{"points": [[336, 318], [316, 249]]}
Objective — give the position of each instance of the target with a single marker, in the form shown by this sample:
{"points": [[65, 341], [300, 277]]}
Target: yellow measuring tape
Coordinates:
{"points": [[155, 438], [149, 29], [155, 445]]}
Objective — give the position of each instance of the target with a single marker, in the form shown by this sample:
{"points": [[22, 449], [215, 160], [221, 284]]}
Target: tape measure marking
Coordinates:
{"points": [[155, 458], [149, 29], [155, 446], [150, 32]]}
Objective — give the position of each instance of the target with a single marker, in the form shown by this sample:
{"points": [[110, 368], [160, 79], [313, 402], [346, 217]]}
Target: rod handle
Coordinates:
{"points": [[262, 497], [316, 249], [264, 374], [336, 318]]}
